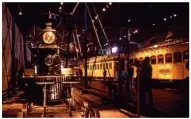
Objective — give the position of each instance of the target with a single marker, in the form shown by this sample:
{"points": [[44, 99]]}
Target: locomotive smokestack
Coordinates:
{"points": [[49, 25]]}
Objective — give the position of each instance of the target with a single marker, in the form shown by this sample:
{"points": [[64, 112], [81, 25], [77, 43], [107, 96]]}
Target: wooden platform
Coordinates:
{"points": [[12, 106]]}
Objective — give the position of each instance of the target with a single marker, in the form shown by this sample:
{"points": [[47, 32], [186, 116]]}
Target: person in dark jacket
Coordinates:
{"points": [[145, 83]]}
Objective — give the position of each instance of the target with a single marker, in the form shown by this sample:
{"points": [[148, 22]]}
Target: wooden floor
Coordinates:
{"points": [[11, 106]]}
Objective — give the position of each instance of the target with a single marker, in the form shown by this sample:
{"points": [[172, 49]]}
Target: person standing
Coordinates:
{"points": [[145, 83], [130, 75], [104, 73], [124, 79]]}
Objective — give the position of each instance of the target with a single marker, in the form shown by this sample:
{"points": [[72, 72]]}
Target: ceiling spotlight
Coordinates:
{"points": [[175, 15], [171, 17], [93, 21], [153, 24], [103, 10], [110, 3], [95, 17], [107, 6], [125, 36], [129, 20], [129, 34], [165, 19], [120, 38], [61, 3], [136, 31], [60, 8], [20, 13]]}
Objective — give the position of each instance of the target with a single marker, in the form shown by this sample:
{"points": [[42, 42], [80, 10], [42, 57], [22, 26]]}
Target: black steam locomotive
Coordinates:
{"points": [[48, 60], [46, 56]]}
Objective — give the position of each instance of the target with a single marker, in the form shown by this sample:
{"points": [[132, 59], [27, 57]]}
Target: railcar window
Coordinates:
{"points": [[186, 55], [177, 57], [103, 65], [100, 66], [94, 67], [110, 66], [97, 66], [160, 59], [153, 60], [106, 65], [90, 67], [168, 58]]}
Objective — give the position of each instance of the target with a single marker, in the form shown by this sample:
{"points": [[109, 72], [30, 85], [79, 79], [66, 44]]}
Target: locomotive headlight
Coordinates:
{"points": [[49, 60], [48, 37]]}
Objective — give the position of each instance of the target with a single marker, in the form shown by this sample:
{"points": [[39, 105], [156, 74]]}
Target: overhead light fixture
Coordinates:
{"points": [[61, 3], [96, 16], [136, 31], [120, 38], [129, 20], [93, 21], [125, 36], [175, 15], [60, 8], [107, 6], [110, 3], [153, 24], [171, 17], [165, 19], [20, 13], [103, 9], [114, 50]]}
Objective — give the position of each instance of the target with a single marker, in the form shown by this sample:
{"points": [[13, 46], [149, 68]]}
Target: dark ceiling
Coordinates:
{"points": [[142, 15]]}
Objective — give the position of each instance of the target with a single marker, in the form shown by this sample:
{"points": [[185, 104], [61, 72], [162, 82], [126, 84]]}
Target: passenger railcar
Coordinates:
{"points": [[168, 59], [111, 63]]}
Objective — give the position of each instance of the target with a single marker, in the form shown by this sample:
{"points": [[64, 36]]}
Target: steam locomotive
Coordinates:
{"points": [[48, 61], [46, 56]]}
